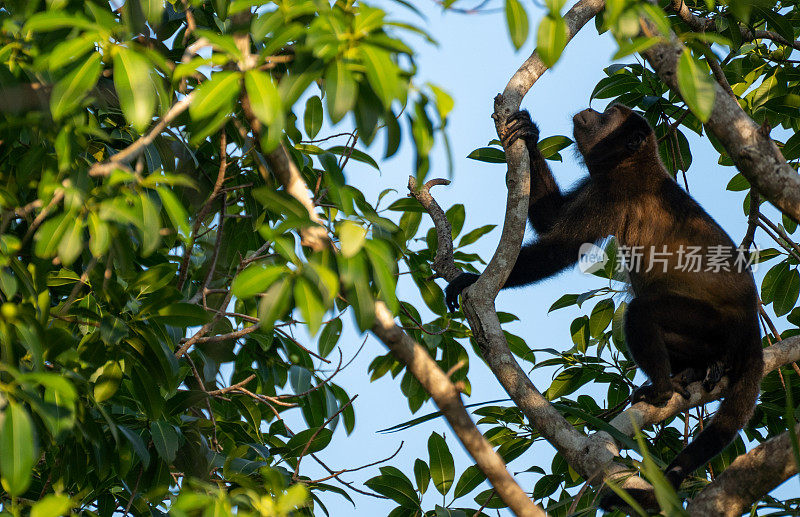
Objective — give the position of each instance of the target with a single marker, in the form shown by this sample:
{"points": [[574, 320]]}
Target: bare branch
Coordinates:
{"points": [[448, 399], [748, 478], [136, 148], [443, 263]]}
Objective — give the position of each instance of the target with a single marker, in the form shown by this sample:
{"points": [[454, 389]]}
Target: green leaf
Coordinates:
{"points": [[51, 506], [441, 463], [106, 381], [475, 234], [422, 475], [49, 235], [153, 9], [615, 85], [456, 215], [406, 204], [175, 211], [182, 315], [341, 90], [517, 20], [791, 149], [777, 22], [355, 154], [309, 304], [384, 272], [566, 382], [265, 101], [469, 481], [256, 278], [696, 86], [137, 94], [381, 73], [351, 237], [139, 448], [786, 292], [551, 39], [71, 243], [550, 146], [298, 442], [329, 336], [165, 439], [635, 45], [18, 449], [565, 301], [215, 95], [275, 302], [56, 19], [488, 155], [602, 313], [397, 488], [444, 102], [69, 92], [149, 224], [312, 119], [99, 237]]}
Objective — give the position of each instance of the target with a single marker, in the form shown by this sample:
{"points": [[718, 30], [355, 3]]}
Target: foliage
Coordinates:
{"points": [[153, 280]]}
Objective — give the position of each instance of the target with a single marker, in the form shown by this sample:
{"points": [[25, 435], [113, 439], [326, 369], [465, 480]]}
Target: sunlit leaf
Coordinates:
{"points": [[696, 86]]}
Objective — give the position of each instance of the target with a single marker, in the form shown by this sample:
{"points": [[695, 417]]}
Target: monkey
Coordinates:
{"points": [[682, 324]]}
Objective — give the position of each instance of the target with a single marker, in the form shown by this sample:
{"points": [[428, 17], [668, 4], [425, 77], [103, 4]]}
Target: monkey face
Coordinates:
{"points": [[592, 126]]}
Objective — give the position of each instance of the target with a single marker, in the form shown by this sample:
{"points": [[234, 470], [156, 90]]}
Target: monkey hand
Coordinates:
{"points": [[519, 125], [455, 287]]}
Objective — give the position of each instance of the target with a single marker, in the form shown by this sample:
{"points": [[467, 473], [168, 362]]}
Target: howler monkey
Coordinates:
{"points": [[683, 323]]}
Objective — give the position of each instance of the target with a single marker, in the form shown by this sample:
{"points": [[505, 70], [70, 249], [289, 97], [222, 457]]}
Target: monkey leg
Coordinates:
{"points": [[673, 340]]}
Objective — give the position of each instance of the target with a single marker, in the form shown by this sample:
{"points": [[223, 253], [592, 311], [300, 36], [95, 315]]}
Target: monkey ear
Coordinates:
{"points": [[635, 140]]}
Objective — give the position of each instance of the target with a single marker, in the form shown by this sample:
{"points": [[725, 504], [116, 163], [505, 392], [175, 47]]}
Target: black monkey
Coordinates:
{"points": [[683, 324]]}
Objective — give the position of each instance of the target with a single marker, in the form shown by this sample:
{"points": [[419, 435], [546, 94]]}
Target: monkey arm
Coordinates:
{"points": [[546, 200], [541, 259], [580, 219]]}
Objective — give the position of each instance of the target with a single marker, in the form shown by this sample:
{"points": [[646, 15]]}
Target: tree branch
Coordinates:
{"points": [[136, 148], [448, 399], [754, 153], [478, 299], [748, 478]]}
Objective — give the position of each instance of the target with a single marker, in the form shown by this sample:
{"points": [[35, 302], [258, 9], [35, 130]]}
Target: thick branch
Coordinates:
{"points": [[641, 415], [448, 399], [700, 24], [754, 153], [315, 237], [479, 299], [748, 478]]}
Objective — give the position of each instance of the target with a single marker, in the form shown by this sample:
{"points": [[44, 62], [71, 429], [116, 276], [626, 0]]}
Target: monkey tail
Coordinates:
{"points": [[734, 412]]}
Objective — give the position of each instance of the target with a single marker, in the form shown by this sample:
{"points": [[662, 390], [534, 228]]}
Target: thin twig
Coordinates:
{"points": [[320, 428]]}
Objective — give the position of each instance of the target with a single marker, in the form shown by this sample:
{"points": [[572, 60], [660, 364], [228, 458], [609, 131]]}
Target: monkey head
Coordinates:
{"points": [[606, 139]]}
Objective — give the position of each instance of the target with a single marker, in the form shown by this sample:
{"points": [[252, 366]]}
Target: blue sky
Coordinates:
{"points": [[473, 62]]}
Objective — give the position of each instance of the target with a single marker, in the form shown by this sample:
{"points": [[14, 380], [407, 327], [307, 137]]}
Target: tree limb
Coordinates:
{"points": [[700, 24], [748, 478], [478, 303], [448, 399], [754, 153]]}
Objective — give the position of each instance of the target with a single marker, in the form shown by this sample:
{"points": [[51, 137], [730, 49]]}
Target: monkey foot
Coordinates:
{"points": [[659, 397]]}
